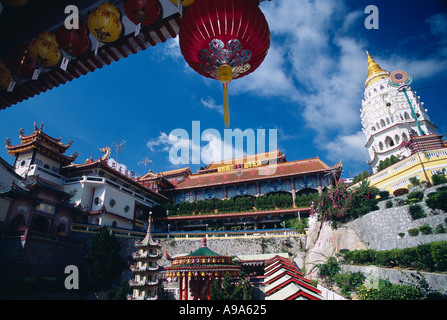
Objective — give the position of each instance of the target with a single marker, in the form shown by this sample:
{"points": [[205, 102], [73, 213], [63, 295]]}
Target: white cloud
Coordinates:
{"points": [[211, 104], [185, 150], [352, 145]]}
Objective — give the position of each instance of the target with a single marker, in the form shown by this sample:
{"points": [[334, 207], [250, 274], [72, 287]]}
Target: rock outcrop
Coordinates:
{"points": [[323, 242]]}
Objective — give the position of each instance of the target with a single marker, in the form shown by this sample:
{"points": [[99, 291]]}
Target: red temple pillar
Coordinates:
{"points": [[198, 288], [208, 287], [186, 287], [180, 287]]}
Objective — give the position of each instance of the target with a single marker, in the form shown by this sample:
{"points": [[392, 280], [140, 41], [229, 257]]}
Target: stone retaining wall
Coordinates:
{"points": [[380, 229], [437, 281]]}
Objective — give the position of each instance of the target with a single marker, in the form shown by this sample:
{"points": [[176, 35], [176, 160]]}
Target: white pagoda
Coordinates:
{"points": [[390, 115], [145, 283]]}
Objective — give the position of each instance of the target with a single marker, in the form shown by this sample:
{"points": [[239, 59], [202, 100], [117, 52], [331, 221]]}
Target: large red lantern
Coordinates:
{"points": [[75, 41], [224, 40], [145, 12], [20, 63]]}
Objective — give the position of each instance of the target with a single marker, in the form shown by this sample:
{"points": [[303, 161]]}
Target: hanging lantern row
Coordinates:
{"points": [[202, 274], [224, 40], [47, 50], [15, 3]]}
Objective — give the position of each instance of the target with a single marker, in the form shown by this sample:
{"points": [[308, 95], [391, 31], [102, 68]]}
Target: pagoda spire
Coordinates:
{"points": [[375, 72]]}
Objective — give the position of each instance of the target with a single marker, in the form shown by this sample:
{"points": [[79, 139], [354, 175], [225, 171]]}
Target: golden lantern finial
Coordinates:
{"points": [[375, 72]]}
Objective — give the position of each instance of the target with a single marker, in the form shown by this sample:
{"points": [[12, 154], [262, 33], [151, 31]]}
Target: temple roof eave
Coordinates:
{"points": [[323, 170], [100, 163]]}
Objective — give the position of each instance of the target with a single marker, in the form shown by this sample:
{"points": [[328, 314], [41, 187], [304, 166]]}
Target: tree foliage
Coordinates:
{"points": [[104, 260], [341, 205], [229, 291]]}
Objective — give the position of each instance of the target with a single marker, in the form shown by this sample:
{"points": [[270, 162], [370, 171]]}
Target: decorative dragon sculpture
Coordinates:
{"points": [[106, 150]]}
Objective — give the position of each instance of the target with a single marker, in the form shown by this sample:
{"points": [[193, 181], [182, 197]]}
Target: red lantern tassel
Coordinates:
{"points": [[226, 105]]}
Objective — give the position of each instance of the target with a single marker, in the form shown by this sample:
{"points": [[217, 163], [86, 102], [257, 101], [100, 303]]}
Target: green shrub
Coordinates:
{"points": [[389, 291], [431, 256], [438, 201], [389, 204], [384, 194], [415, 196], [401, 234], [413, 232], [329, 269], [439, 254], [438, 179], [416, 211], [414, 181], [424, 258], [349, 282], [440, 228], [426, 229]]}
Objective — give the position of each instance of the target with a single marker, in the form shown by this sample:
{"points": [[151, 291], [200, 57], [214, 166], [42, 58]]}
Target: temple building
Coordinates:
{"points": [[34, 201], [250, 177], [109, 193], [196, 271], [390, 116], [145, 284]]}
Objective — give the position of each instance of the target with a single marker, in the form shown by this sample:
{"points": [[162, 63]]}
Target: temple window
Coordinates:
{"points": [[61, 228], [404, 137], [17, 221], [389, 142]]}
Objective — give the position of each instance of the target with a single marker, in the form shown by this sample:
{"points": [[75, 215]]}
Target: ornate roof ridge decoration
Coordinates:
{"points": [[44, 143], [254, 157]]}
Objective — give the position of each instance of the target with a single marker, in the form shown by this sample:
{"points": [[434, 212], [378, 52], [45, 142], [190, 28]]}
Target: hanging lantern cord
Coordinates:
{"points": [[225, 75]]}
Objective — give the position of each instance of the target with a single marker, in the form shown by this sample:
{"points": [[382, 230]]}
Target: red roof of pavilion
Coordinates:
{"points": [[280, 170]]}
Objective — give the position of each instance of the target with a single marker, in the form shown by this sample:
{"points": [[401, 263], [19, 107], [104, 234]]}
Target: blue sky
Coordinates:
{"points": [[309, 88]]}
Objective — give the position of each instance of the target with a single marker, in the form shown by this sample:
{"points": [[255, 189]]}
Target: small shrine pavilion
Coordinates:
{"points": [[145, 283], [196, 271]]}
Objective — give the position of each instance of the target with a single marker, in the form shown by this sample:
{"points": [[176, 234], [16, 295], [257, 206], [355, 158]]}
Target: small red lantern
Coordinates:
{"points": [[145, 12], [20, 63], [75, 41], [224, 40]]}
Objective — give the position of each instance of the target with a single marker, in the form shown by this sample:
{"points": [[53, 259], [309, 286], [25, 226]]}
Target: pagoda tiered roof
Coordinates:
{"points": [[203, 259], [44, 143], [148, 241]]}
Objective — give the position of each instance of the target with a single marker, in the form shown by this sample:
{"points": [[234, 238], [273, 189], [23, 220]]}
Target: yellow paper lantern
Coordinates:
{"points": [[185, 3], [104, 23], [44, 50], [49, 36], [16, 3]]}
